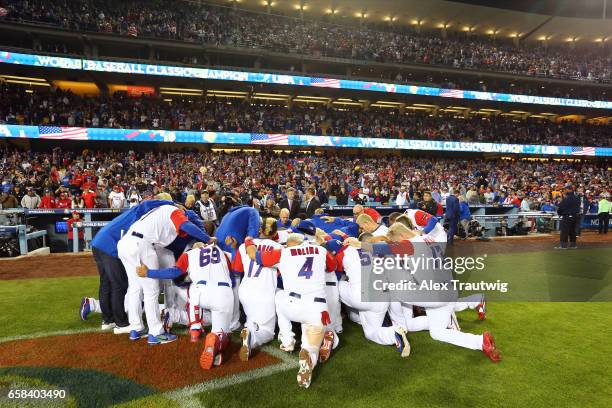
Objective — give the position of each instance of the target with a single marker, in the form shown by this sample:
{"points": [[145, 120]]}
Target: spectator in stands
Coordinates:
{"points": [[402, 197], [472, 196], [211, 24], [291, 203], [48, 200], [525, 203], [270, 209], [312, 202], [64, 201], [116, 198], [18, 193], [342, 196], [134, 199], [89, 196], [101, 197], [77, 200], [31, 200], [8, 200]]}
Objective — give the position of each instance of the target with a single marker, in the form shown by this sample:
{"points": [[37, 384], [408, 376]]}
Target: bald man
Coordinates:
{"points": [[367, 224]]}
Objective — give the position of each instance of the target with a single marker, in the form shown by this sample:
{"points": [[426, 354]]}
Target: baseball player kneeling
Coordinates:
{"points": [[257, 291], [303, 267], [209, 270]]}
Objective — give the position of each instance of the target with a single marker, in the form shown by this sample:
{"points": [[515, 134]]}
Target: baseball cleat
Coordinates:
{"points": [[245, 350], [489, 348], [401, 342], [165, 319], [137, 334], [195, 335], [326, 347], [107, 326], [161, 339], [482, 309], [85, 308], [289, 347], [122, 330], [211, 348], [304, 374]]}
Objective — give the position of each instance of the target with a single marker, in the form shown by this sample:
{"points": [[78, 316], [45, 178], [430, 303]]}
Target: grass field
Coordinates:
{"points": [[554, 353]]}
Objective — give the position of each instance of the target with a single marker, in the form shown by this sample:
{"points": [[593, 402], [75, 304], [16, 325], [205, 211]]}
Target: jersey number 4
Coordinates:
{"points": [[306, 270]]}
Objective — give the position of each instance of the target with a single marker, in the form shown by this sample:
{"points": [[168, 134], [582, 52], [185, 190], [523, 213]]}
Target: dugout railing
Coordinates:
{"points": [[50, 224]]}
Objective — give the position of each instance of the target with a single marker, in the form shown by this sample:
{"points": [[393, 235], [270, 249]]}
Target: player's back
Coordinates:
{"points": [[159, 225], [303, 269], [255, 275], [352, 260], [208, 264]]}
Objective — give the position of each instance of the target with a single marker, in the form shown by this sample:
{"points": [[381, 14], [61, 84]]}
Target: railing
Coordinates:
{"points": [[44, 219]]}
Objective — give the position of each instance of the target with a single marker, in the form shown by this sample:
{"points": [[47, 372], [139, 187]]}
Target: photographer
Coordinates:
{"points": [[205, 208]]}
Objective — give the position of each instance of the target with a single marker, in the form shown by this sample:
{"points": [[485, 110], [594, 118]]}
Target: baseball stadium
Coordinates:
{"points": [[300, 203]]}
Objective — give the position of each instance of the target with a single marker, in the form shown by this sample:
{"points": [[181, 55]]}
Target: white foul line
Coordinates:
{"points": [[185, 396]]}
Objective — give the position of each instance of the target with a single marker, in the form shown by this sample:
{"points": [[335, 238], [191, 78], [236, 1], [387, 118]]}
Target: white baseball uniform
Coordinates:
{"points": [[257, 290], [420, 219], [303, 268], [211, 289], [441, 320], [371, 314], [157, 228]]}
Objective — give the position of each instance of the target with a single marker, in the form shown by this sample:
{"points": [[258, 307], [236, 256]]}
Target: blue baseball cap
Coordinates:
{"points": [[306, 227]]}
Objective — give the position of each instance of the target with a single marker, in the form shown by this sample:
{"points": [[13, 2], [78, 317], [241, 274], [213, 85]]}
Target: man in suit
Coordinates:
{"points": [[312, 202], [452, 215], [569, 209], [291, 203]]}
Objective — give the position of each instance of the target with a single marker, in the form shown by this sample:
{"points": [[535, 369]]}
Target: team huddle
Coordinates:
{"points": [[251, 275]]}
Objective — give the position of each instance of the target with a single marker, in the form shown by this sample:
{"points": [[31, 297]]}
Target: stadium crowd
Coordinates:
{"points": [[101, 179], [63, 108], [225, 26]]}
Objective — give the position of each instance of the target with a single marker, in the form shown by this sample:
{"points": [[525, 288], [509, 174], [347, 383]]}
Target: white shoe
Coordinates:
{"points": [[289, 347], [107, 326], [122, 330]]}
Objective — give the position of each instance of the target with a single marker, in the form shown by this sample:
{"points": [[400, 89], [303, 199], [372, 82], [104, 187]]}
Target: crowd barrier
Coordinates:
{"points": [[50, 224]]}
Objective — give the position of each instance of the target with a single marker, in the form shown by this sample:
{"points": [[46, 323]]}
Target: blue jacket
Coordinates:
{"points": [[286, 225], [348, 227], [452, 208], [464, 211], [106, 239], [238, 223]]}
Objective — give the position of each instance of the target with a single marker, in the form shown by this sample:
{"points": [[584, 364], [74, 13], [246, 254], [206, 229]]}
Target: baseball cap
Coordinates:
{"points": [[335, 243], [306, 227]]}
